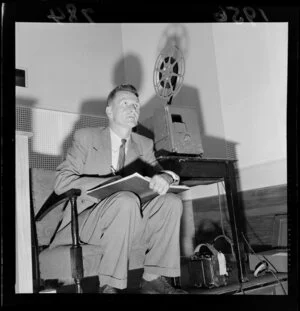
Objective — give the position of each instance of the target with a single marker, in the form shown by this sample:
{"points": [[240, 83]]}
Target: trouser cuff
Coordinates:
{"points": [[164, 271], [113, 282]]}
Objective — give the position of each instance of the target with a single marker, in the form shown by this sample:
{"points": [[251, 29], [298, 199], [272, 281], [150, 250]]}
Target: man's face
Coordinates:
{"points": [[124, 110]]}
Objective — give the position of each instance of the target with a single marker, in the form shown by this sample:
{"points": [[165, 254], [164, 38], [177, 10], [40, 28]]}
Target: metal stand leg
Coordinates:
{"points": [[232, 202]]}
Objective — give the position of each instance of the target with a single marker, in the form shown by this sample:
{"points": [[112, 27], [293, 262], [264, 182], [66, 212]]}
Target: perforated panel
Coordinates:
{"points": [[231, 150], [52, 133]]}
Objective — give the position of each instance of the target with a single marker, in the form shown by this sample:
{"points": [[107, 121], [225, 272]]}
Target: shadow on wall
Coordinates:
{"points": [[188, 96], [214, 147], [132, 71], [175, 33], [92, 109], [92, 113]]}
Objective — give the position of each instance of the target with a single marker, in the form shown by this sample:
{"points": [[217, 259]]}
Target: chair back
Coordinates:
{"points": [[42, 185]]}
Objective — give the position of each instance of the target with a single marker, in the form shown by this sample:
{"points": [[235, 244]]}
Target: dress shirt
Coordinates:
{"points": [[115, 148]]}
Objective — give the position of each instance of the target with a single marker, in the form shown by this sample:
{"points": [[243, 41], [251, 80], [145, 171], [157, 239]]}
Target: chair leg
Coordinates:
{"points": [[78, 286], [35, 253], [76, 250], [77, 266]]}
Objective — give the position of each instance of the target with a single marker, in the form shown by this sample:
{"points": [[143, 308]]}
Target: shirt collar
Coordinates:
{"points": [[116, 140]]}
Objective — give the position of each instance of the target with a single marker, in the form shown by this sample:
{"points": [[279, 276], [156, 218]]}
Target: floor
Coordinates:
{"points": [[265, 284]]}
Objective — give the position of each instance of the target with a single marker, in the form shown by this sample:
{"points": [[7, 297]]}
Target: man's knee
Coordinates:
{"points": [[173, 201], [128, 200]]}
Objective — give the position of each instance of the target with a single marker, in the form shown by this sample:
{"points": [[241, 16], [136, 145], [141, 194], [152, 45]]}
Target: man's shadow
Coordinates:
{"points": [[93, 110], [92, 113]]}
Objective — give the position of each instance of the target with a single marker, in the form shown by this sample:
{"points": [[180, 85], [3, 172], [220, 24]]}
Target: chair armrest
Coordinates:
{"points": [[54, 200]]}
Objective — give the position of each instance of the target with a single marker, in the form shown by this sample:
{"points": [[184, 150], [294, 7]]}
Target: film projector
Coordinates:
{"points": [[175, 126]]}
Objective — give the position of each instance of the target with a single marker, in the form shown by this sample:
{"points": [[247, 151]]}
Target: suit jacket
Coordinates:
{"points": [[88, 163]]}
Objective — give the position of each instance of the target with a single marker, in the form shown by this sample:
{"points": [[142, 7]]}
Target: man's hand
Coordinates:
{"points": [[160, 183]]}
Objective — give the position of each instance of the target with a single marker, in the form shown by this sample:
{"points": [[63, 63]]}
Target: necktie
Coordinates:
{"points": [[121, 160]]}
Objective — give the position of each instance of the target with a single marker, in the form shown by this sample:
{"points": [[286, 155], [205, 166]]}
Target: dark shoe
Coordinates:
{"points": [[159, 286], [106, 289]]}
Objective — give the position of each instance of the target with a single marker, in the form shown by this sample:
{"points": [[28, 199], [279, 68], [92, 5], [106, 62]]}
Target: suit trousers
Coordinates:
{"points": [[121, 226]]}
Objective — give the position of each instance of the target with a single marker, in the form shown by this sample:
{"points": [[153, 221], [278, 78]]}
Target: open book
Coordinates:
{"points": [[135, 183]]}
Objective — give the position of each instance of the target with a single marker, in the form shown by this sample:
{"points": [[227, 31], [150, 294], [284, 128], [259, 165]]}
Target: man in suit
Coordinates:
{"points": [[118, 223]]}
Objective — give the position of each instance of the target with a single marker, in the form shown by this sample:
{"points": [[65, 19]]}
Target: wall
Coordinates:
{"points": [[252, 73], [70, 67]]}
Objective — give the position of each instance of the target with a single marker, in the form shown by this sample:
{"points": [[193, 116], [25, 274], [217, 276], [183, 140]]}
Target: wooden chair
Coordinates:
{"points": [[61, 263], [64, 264]]}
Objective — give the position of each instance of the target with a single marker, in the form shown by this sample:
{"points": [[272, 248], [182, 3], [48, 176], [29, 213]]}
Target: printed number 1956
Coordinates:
{"points": [[249, 13]]}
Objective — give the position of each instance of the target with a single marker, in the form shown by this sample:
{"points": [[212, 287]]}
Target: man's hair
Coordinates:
{"points": [[122, 87]]}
